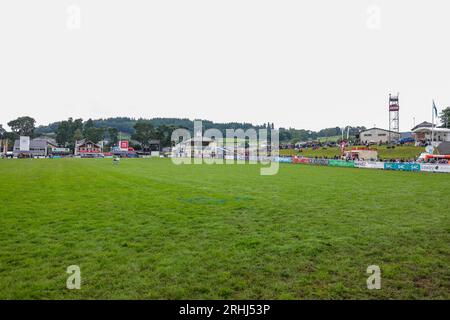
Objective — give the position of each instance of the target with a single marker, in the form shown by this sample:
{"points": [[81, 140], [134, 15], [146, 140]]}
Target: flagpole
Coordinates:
{"points": [[432, 125]]}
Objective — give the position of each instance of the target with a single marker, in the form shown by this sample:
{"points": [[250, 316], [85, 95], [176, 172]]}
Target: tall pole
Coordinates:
{"points": [[432, 124], [389, 134]]}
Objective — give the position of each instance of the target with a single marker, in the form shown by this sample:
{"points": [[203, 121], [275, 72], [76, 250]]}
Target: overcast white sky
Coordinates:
{"points": [[305, 64]]}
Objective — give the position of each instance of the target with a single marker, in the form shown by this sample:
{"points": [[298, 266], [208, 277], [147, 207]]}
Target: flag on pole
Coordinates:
{"points": [[433, 115], [435, 109]]}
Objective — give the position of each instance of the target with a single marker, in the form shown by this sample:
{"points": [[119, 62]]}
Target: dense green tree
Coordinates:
{"points": [[23, 126], [50, 128], [63, 133], [144, 132], [77, 135], [69, 131], [89, 124], [94, 134], [2, 137], [113, 136], [77, 125], [445, 117], [164, 134]]}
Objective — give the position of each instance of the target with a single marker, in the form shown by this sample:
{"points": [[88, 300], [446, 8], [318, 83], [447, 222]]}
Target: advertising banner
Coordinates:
{"points": [[402, 166], [283, 159], [390, 166], [341, 163], [409, 166], [435, 168], [369, 164], [319, 162], [60, 150]]}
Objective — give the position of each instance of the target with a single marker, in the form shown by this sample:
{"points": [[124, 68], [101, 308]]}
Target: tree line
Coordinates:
{"points": [[143, 131], [67, 132], [161, 127]]}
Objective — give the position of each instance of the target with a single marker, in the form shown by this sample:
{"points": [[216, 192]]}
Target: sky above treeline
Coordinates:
{"points": [[301, 64]]}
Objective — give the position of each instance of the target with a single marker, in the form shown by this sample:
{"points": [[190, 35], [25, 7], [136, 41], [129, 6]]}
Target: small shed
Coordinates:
{"points": [[362, 154]]}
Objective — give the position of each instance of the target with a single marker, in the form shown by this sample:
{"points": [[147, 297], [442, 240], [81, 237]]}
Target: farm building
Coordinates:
{"points": [[377, 135]]}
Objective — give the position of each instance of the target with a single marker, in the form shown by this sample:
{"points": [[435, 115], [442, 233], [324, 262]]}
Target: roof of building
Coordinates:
{"points": [[375, 128], [79, 143], [424, 124], [49, 140], [196, 139], [426, 129]]}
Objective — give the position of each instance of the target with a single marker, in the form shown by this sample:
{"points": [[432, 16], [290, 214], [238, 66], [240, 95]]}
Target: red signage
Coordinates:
{"points": [[123, 145], [394, 107]]}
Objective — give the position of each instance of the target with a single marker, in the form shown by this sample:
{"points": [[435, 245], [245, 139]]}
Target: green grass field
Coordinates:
{"points": [[148, 229], [329, 139], [400, 152]]}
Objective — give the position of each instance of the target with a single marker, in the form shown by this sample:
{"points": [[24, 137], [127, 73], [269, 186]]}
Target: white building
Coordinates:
{"points": [[424, 132], [191, 148], [377, 135], [217, 148]]}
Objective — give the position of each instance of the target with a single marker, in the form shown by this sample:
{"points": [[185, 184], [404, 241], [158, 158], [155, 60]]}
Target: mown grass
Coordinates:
{"points": [[399, 152], [148, 229], [329, 139]]}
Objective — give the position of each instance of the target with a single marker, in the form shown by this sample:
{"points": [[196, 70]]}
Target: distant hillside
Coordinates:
{"points": [[125, 125]]}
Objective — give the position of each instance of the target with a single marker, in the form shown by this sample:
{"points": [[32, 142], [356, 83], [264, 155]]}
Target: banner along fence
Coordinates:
{"points": [[369, 164], [300, 160], [435, 168], [402, 166], [319, 162], [341, 163], [283, 159], [396, 166]]}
